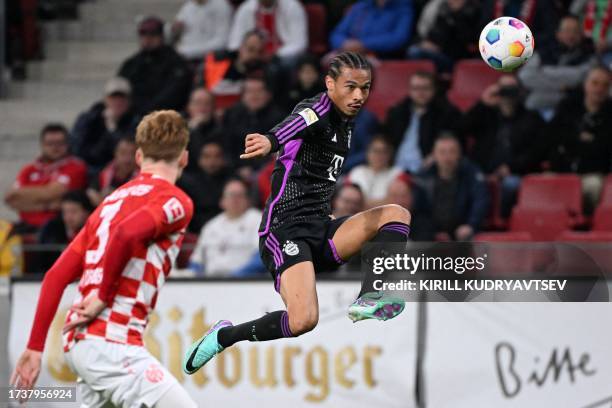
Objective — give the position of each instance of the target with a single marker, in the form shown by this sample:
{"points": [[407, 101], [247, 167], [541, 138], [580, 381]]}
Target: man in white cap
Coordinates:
{"points": [[97, 130]]}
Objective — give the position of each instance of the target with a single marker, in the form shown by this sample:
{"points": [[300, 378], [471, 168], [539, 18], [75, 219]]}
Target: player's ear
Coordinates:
{"points": [[139, 157], [184, 159], [330, 83]]}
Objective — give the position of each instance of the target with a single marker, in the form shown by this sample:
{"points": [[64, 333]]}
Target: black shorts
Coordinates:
{"points": [[302, 241]]}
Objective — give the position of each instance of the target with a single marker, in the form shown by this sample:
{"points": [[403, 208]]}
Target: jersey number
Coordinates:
{"points": [[334, 169], [107, 214]]}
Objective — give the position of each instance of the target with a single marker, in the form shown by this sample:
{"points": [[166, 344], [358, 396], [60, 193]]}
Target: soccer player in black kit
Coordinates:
{"points": [[298, 236]]}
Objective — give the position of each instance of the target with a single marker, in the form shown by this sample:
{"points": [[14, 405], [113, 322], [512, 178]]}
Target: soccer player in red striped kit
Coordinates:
{"points": [[121, 258]]}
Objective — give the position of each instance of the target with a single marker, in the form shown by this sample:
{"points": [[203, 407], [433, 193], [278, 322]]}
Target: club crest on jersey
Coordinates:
{"points": [[291, 248], [309, 116]]}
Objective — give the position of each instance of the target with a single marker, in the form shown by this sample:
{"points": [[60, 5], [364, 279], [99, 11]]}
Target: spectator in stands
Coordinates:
{"points": [[580, 134], [202, 123], [59, 231], [375, 176], [452, 191], [228, 240], [365, 127], [381, 27], [308, 81], [508, 140], [160, 78], [453, 36], [283, 23], [400, 192], [557, 68], [205, 184], [41, 184], [414, 123], [202, 26], [97, 131], [596, 17], [224, 72], [122, 169], [542, 16], [13, 27], [254, 113], [348, 200]]}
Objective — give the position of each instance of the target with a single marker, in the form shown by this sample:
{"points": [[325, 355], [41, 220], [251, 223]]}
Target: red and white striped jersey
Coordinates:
{"points": [[125, 318]]}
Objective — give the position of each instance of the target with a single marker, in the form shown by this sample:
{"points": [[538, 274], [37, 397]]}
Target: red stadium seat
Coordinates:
{"points": [[494, 219], [391, 84], [606, 192], [470, 78], [585, 236], [542, 191], [317, 28], [512, 236], [602, 220], [544, 224], [223, 102]]}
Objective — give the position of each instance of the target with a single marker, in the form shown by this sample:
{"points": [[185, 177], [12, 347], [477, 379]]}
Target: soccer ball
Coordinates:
{"points": [[506, 43]]}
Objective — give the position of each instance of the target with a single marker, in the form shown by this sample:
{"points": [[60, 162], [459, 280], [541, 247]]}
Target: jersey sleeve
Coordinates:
{"points": [[171, 212], [65, 270], [301, 123]]}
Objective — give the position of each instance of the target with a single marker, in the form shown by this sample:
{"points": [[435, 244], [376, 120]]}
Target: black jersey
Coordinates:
{"points": [[313, 142]]}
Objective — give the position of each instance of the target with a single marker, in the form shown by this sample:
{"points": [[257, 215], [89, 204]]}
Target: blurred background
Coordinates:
{"points": [[474, 154]]}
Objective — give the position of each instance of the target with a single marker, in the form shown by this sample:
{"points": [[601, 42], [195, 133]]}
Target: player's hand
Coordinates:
{"points": [[27, 370], [256, 145], [86, 311]]}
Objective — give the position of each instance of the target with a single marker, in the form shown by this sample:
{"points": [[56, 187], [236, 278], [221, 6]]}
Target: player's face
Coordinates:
{"points": [[350, 90], [54, 146]]}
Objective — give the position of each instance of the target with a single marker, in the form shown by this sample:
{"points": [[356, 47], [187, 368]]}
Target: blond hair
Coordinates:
{"points": [[162, 135]]}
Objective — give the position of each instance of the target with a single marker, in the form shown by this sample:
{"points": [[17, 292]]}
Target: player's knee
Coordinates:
{"points": [[303, 322], [395, 213]]}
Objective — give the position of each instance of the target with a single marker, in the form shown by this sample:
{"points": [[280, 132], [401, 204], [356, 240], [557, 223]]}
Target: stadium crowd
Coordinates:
{"points": [[232, 68]]}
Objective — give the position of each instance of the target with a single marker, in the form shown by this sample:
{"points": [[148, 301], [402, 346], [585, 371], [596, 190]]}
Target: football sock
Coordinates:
{"points": [[274, 325], [391, 232]]}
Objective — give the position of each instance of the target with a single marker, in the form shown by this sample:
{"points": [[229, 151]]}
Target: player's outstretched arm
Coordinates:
{"points": [[66, 269], [256, 145]]}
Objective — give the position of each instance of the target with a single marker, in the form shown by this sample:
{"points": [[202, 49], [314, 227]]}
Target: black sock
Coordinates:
{"points": [[390, 232], [274, 325]]}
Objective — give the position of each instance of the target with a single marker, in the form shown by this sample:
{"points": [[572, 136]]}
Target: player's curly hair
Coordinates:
{"points": [[347, 59], [162, 135]]}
